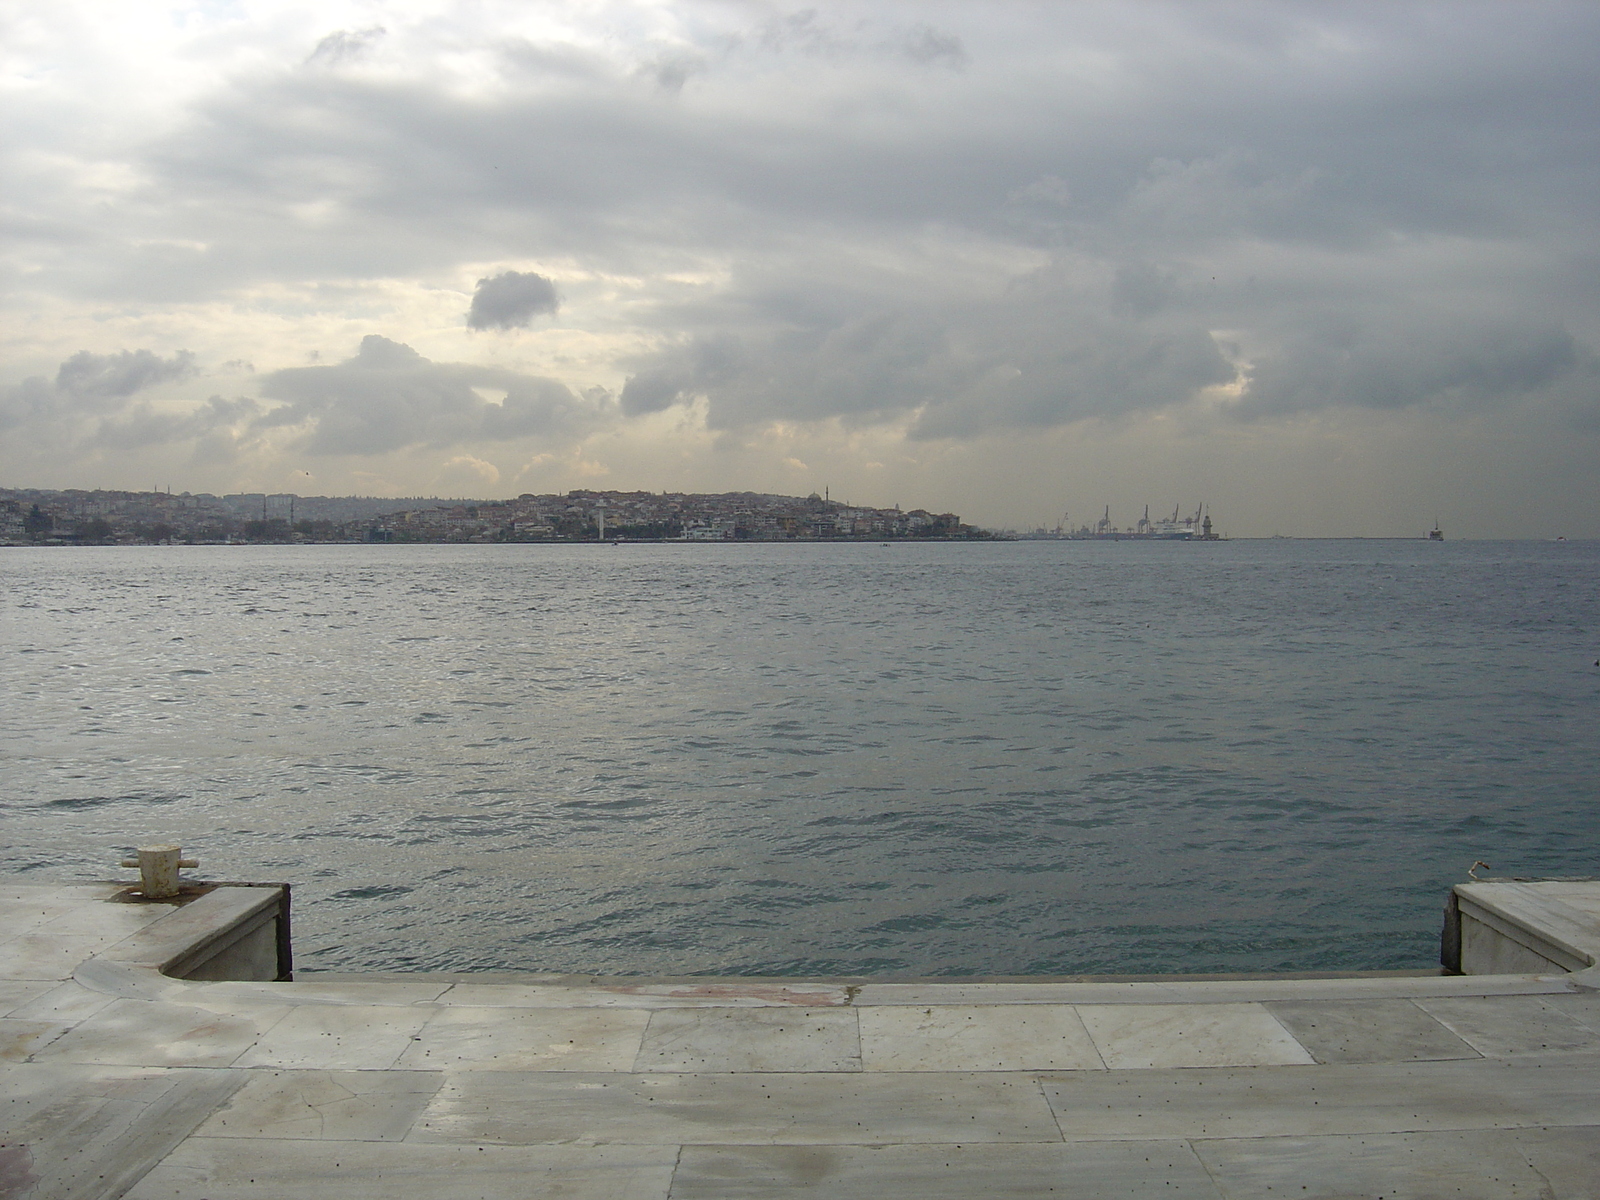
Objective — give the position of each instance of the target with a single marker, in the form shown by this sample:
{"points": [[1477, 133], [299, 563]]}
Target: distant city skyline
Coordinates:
{"points": [[39, 517], [1328, 270]]}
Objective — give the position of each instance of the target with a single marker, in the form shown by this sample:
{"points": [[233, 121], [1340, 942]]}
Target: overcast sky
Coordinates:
{"points": [[1327, 268]]}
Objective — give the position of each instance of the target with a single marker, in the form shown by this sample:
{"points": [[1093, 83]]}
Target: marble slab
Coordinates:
{"points": [[927, 995], [47, 955], [261, 1169], [527, 1039], [1344, 1031], [1583, 895], [338, 1037], [1355, 1098], [1208, 991], [1217, 991], [737, 993], [1584, 1008], [721, 994], [1190, 1035], [20, 1039], [361, 1106], [535, 1107], [57, 893], [24, 908], [763, 1039], [535, 995], [1513, 1025], [1568, 1159], [16, 993], [147, 1033], [1075, 1171], [128, 981], [67, 1001], [85, 1133], [1395, 1166], [21, 913], [105, 919], [387, 994], [992, 1037]]}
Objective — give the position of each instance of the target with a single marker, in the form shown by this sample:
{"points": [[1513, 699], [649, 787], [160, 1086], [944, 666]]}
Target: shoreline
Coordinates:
{"points": [[850, 541]]}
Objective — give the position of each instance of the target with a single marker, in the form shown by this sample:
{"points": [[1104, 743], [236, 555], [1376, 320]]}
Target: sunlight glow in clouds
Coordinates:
{"points": [[1331, 269]]}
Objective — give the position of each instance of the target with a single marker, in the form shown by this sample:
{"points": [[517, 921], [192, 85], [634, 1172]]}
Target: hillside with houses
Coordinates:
{"points": [[75, 517]]}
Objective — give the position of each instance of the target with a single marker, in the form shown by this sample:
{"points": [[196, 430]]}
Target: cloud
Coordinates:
{"points": [[1054, 347], [20, 402], [467, 475], [90, 384], [1413, 359], [511, 300], [388, 397], [925, 44], [115, 419], [101, 380], [345, 45], [951, 223], [673, 69], [140, 425]]}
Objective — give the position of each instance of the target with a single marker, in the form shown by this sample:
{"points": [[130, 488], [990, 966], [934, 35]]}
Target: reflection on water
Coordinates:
{"points": [[906, 759]]}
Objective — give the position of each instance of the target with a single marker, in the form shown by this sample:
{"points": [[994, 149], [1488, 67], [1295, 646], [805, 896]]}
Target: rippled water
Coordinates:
{"points": [[906, 759]]}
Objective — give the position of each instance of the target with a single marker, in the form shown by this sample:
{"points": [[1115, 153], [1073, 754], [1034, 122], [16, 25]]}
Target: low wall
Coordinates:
{"points": [[1522, 928], [231, 931]]}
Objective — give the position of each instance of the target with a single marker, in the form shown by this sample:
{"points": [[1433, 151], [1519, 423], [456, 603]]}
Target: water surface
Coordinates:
{"points": [[912, 759]]}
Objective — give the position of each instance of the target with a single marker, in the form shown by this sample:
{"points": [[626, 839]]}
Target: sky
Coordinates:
{"points": [[1327, 268]]}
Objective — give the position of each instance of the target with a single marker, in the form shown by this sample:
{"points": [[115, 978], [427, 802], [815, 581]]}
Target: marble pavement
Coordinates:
{"points": [[116, 1080]]}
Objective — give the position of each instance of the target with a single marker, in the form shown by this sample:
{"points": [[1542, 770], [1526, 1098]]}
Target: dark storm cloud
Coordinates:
{"points": [[511, 300], [389, 397]]}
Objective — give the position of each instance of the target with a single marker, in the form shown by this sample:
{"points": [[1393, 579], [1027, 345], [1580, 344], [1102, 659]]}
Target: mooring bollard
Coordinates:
{"points": [[158, 870]]}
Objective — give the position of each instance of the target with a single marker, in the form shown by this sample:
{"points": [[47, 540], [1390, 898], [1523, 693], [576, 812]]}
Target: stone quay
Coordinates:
{"points": [[161, 1050]]}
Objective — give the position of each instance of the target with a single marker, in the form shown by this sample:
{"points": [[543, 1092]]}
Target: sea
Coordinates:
{"points": [[897, 760]]}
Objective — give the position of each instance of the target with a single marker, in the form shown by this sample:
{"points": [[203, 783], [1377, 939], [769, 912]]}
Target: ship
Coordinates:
{"points": [[1170, 529], [1436, 534]]}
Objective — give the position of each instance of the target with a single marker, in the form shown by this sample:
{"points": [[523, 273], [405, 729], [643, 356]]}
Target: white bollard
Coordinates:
{"points": [[158, 870]]}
